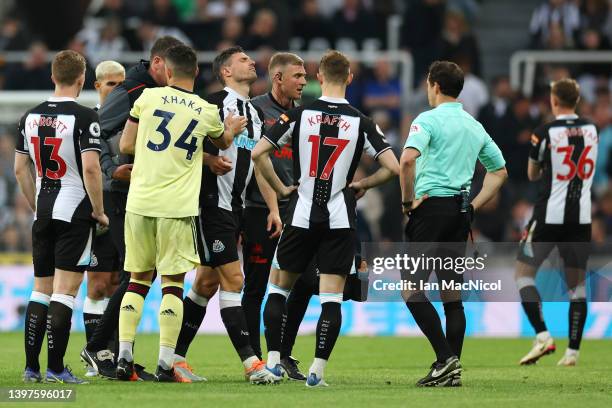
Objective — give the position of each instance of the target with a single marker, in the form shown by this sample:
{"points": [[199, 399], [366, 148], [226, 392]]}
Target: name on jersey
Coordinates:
{"points": [[46, 121], [173, 99], [329, 120], [244, 142], [573, 132]]}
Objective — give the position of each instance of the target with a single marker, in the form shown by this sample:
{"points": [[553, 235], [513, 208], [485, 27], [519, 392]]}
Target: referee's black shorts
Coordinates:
{"points": [[539, 239], [438, 229]]}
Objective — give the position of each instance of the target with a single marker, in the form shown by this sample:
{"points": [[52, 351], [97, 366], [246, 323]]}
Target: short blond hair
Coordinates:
{"points": [[106, 68], [67, 67], [280, 60]]}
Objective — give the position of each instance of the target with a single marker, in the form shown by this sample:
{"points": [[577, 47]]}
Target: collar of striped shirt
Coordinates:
{"points": [[235, 93], [333, 100], [60, 99]]}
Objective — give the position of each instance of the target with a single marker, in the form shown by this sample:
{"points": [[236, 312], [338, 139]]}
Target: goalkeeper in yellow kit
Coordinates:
{"points": [[165, 132]]}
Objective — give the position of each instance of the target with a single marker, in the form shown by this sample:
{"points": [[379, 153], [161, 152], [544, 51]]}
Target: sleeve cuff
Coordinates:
{"points": [[133, 119], [22, 151], [95, 149], [276, 146], [381, 152]]}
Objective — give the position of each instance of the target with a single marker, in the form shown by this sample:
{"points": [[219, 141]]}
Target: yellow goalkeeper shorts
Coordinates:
{"points": [[166, 244]]}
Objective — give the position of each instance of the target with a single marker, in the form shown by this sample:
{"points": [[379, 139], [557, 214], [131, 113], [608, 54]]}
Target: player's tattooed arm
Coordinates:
{"points": [[23, 174], [127, 143], [534, 170], [233, 126], [263, 164]]}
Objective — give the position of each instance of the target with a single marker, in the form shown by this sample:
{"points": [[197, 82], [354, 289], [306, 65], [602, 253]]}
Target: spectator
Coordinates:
{"points": [[592, 40], [475, 93], [595, 14], [352, 25], [496, 115], [457, 39], [603, 167], [113, 9], [422, 33], [383, 91], [105, 43], [311, 29], [356, 89], [219, 9], [33, 74], [163, 13], [13, 36], [559, 18], [263, 32], [231, 31]]}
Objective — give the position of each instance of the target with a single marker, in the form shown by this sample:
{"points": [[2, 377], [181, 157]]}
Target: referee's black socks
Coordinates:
{"points": [[194, 310], [455, 326], [428, 321], [35, 327]]}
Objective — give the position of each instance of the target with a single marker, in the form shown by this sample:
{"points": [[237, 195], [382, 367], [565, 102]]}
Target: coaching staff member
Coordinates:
{"points": [[436, 170]]}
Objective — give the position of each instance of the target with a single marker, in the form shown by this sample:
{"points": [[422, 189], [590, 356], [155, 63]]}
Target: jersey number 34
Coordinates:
{"points": [[190, 145]]}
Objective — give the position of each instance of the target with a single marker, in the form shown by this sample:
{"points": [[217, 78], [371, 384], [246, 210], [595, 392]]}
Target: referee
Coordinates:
{"points": [[436, 170]]}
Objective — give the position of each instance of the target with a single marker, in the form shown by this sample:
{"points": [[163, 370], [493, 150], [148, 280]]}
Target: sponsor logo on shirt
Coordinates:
{"points": [[244, 142]]}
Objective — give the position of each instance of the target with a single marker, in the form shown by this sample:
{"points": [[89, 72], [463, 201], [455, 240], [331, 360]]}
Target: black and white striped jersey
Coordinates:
{"points": [[566, 148], [228, 191], [328, 137], [54, 134]]}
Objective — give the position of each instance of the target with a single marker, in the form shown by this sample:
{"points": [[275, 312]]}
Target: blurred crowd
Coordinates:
{"points": [[430, 30]]}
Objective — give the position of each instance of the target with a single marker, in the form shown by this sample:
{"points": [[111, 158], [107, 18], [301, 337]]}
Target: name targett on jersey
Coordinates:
{"points": [[182, 101], [244, 141]]}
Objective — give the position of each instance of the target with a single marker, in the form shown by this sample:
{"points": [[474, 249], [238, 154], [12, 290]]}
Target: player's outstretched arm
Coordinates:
{"points": [[92, 178], [263, 164], [493, 181], [23, 174], [389, 169], [233, 126], [127, 143]]}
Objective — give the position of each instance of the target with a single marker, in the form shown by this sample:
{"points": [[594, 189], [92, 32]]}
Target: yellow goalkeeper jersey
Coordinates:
{"points": [[167, 173]]}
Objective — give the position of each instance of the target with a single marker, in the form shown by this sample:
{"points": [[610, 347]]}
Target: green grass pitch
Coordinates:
{"points": [[363, 371]]}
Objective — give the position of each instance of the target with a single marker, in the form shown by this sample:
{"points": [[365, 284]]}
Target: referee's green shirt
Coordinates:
{"points": [[450, 140]]}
